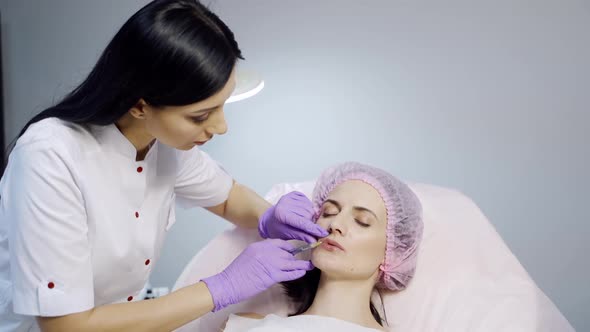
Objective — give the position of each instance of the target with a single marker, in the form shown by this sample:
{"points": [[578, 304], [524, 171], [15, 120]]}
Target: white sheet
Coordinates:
{"points": [[466, 280], [274, 323]]}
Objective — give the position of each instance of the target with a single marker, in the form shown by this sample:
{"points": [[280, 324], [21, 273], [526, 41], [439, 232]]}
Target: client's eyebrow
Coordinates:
{"points": [[358, 208]]}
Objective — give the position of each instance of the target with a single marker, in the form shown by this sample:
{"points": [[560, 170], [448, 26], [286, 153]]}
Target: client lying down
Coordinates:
{"points": [[375, 226]]}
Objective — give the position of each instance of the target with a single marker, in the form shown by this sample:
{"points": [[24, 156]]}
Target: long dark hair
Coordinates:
{"points": [[170, 53], [302, 292]]}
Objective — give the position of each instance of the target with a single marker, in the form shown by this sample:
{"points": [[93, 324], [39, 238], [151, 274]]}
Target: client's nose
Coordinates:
{"points": [[333, 229]]}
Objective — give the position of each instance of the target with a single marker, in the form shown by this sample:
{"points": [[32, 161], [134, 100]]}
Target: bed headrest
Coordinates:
{"points": [[466, 279]]}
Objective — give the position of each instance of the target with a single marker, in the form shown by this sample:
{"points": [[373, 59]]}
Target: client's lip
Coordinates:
{"points": [[201, 143], [328, 243]]}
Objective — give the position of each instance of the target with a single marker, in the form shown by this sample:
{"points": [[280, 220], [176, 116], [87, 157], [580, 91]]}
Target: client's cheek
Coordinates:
{"points": [[373, 253]]}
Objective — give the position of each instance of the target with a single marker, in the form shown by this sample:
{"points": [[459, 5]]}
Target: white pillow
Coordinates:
{"points": [[466, 280]]}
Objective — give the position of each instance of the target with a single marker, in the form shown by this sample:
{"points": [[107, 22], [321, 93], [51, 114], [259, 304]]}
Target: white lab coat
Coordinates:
{"points": [[82, 223]]}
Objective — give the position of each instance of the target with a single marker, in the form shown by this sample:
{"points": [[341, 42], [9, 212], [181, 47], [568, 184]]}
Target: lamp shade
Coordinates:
{"points": [[248, 83]]}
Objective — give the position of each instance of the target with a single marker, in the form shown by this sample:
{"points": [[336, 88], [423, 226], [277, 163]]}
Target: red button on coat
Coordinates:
{"points": [[50, 285], [139, 169], [136, 214], [130, 298], [147, 262]]}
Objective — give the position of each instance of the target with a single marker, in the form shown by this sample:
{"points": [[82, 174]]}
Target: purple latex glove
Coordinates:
{"points": [[259, 266], [291, 219]]}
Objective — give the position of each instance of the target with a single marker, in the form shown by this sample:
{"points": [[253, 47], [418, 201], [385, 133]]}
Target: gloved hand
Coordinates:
{"points": [[291, 219], [259, 266]]}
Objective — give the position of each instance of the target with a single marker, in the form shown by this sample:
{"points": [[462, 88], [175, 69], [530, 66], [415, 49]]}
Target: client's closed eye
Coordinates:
{"points": [[326, 214], [329, 210], [362, 224]]}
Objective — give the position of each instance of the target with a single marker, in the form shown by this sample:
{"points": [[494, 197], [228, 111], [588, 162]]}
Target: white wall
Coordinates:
{"points": [[490, 98]]}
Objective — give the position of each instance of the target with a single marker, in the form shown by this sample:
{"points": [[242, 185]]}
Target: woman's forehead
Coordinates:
{"points": [[357, 193]]}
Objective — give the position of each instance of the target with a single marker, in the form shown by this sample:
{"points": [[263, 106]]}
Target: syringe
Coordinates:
{"points": [[305, 247]]}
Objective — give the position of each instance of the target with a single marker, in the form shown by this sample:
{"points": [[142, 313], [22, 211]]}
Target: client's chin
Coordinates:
{"points": [[330, 265]]}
